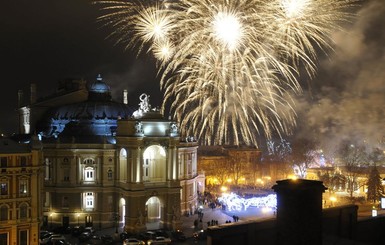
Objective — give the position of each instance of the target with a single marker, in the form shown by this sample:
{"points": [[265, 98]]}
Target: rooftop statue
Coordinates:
{"points": [[144, 106]]}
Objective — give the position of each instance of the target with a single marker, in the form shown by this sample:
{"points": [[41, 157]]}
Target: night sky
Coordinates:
{"points": [[44, 41]]}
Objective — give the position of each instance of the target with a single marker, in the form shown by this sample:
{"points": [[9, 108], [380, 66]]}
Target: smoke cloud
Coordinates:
{"points": [[349, 102]]}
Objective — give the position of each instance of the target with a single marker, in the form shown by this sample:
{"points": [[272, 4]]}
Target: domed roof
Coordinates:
{"points": [[99, 86], [96, 116]]}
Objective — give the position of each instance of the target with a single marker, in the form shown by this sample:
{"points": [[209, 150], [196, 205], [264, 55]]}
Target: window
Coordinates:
{"points": [[4, 187], [23, 211], [23, 161], [4, 239], [64, 202], [89, 200], [3, 213], [109, 174], [89, 161], [189, 167], [23, 186], [23, 237], [47, 164], [4, 162], [89, 174], [66, 176]]}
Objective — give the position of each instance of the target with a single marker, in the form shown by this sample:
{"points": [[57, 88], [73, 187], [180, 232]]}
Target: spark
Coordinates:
{"points": [[227, 29], [229, 69]]}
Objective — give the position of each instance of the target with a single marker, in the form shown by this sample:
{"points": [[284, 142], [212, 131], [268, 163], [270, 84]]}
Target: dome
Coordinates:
{"points": [[96, 116], [99, 86]]}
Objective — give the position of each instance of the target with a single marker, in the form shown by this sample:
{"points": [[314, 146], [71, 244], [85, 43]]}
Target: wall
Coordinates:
{"points": [[336, 222]]}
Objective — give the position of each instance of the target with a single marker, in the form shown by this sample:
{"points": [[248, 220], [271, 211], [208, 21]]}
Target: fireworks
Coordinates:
{"points": [[229, 69]]}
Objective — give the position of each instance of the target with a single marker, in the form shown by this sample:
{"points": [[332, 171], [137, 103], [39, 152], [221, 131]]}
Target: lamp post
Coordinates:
{"points": [[116, 222], [78, 219]]}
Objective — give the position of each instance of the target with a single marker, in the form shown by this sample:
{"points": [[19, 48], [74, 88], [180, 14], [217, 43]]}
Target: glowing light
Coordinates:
{"points": [[234, 202], [294, 8], [223, 188], [292, 177], [229, 69], [227, 29]]}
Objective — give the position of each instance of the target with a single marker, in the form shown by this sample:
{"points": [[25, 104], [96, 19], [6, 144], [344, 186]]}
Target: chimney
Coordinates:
{"points": [[33, 93], [125, 98], [299, 212]]}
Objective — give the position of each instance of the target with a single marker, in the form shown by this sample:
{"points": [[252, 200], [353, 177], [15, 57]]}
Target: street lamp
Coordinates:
{"points": [[333, 200], [51, 214]]}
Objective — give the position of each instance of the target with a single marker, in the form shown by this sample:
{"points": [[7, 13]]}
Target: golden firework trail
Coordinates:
{"points": [[229, 68]]}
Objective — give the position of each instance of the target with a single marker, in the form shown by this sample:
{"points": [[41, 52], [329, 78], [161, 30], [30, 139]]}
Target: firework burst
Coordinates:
{"points": [[229, 68]]}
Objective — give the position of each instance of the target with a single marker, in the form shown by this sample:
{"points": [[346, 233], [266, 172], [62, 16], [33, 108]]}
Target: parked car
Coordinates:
{"points": [[44, 236], [124, 235], [148, 235], [62, 230], [89, 229], [56, 239], [77, 230], [178, 235], [107, 239], [84, 236], [133, 241], [159, 240], [200, 235]]}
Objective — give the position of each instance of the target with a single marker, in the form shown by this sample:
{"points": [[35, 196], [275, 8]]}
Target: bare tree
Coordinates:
{"points": [[302, 155], [353, 158], [278, 155]]}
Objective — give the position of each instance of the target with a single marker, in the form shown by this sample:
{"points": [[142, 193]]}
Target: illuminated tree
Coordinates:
{"points": [[375, 188]]}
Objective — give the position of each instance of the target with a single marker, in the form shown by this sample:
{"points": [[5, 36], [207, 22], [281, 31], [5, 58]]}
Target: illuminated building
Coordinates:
{"points": [[107, 165], [20, 194]]}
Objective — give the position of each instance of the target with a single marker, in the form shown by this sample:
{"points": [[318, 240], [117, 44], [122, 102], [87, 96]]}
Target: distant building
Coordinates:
{"points": [[20, 192], [230, 164], [108, 165]]}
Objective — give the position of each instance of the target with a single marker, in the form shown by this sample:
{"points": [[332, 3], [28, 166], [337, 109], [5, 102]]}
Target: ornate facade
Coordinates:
{"points": [[20, 194], [106, 165]]}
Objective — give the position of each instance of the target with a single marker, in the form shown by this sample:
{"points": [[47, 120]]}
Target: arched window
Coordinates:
{"points": [[154, 164], [89, 161], [23, 186], [23, 209], [109, 174], [4, 213], [122, 169], [89, 169]]}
